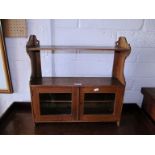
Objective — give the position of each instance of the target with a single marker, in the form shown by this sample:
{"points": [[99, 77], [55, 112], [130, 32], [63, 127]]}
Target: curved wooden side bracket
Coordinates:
{"points": [[34, 57], [119, 59]]}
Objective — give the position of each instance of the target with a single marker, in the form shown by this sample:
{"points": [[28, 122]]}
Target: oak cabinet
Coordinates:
{"points": [[77, 99]]}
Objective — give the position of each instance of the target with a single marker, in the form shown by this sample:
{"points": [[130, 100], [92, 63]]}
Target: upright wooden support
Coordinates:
{"points": [[34, 57], [119, 59]]}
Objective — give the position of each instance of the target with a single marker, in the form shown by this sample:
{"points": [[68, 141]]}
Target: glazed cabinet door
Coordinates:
{"points": [[54, 104], [100, 103]]}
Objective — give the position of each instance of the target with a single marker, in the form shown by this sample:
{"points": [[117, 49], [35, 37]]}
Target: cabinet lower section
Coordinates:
{"points": [[77, 104]]}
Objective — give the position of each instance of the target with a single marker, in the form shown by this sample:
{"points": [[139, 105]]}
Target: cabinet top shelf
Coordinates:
{"points": [[90, 48], [75, 81]]}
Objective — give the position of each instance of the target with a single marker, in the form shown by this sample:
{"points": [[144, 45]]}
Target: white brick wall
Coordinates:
{"points": [[149, 25], [139, 68], [112, 24], [82, 36], [67, 23]]}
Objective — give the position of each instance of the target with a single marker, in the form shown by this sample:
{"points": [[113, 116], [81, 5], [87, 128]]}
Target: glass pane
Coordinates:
{"points": [[55, 103], [99, 103]]}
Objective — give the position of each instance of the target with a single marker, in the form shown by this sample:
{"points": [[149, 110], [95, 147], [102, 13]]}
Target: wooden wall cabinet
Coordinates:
{"points": [[77, 99]]}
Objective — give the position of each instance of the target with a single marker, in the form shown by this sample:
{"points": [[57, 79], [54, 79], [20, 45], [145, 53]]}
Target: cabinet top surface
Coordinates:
{"points": [[75, 81], [148, 90], [91, 48]]}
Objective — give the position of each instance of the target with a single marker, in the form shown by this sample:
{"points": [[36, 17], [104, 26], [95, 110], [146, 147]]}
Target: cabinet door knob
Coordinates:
{"points": [[96, 89]]}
